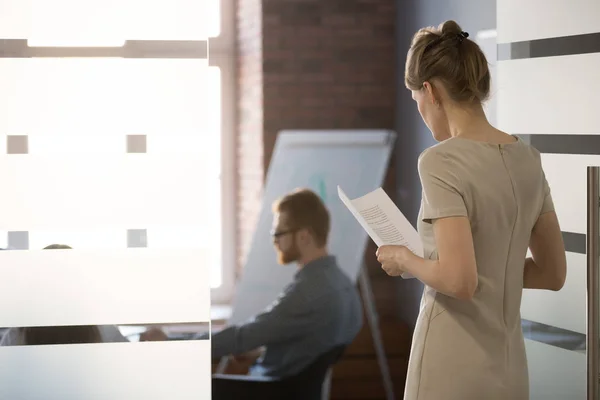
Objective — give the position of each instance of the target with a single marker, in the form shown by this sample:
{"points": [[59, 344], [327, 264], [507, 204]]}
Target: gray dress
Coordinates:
{"points": [[474, 350]]}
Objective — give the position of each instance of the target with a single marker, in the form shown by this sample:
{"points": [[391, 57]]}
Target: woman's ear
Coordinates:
{"points": [[432, 93]]}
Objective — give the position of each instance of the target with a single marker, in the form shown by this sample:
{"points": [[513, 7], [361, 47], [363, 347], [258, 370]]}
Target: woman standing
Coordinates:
{"points": [[485, 202]]}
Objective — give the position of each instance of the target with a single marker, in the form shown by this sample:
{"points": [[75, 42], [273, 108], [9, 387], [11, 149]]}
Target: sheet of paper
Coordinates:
{"points": [[383, 221]]}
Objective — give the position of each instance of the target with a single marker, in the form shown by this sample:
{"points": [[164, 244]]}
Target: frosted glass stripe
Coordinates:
{"points": [[564, 309], [564, 144], [166, 237], [126, 192], [77, 144], [555, 373], [106, 96], [551, 47], [77, 287], [538, 19], [567, 177], [157, 143], [554, 336], [537, 95], [121, 371]]}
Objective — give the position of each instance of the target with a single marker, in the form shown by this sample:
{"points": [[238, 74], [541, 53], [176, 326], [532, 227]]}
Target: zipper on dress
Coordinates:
{"points": [[501, 151]]}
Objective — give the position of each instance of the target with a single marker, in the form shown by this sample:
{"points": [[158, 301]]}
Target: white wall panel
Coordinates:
{"points": [[519, 20], [77, 287], [567, 177], [564, 309], [551, 95], [117, 371], [555, 373], [488, 42]]}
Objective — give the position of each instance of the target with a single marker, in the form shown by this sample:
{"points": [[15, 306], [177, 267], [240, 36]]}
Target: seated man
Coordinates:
{"points": [[318, 311]]}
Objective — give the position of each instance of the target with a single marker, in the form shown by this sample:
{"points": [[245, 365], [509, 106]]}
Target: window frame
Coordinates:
{"points": [[222, 54]]}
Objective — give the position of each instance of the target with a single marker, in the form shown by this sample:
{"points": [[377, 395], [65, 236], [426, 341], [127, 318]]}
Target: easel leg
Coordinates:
{"points": [[373, 320], [326, 386]]}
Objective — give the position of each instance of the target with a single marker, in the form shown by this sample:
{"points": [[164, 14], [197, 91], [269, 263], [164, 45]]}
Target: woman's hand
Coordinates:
{"points": [[393, 259]]}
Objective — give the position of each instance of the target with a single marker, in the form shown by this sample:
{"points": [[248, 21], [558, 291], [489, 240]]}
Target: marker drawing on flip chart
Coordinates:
{"points": [[383, 221]]}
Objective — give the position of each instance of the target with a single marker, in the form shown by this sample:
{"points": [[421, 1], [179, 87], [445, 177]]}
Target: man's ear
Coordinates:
{"points": [[304, 235]]}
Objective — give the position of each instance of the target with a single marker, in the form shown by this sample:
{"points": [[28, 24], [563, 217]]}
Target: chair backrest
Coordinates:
{"points": [[308, 384]]}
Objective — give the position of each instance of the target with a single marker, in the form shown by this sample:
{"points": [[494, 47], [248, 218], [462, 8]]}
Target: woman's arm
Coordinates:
{"points": [[547, 269], [454, 273]]}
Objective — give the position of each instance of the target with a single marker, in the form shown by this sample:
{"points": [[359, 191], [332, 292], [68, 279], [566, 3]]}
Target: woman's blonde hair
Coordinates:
{"points": [[445, 53]]}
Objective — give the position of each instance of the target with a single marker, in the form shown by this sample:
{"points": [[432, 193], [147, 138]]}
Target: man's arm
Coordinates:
{"points": [[289, 317]]}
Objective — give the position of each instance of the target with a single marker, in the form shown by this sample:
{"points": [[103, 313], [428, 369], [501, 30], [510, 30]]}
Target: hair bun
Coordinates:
{"points": [[442, 53], [450, 27]]}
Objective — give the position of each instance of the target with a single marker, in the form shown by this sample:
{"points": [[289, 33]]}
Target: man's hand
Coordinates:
{"points": [[249, 357], [241, 363]]}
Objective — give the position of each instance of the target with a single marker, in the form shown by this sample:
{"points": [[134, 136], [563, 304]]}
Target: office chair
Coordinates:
{"points": [[306, 385]]}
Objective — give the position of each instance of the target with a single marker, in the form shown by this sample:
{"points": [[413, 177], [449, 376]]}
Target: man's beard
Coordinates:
{"points": [[289, 256]]}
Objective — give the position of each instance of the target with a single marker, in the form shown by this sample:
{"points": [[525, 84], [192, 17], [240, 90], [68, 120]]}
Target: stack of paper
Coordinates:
{"points": [[383, 221]]}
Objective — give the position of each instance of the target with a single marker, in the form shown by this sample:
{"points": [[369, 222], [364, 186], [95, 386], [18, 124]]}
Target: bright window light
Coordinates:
{"points": [[109, 23], [85, 108], [82, 109], [77, 23]]}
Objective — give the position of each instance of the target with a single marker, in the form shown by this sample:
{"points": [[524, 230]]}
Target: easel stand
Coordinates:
{"points": [[373, 320]]}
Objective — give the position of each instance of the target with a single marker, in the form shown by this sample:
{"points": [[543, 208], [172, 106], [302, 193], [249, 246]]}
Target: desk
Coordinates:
{"points": [[219, 315]]}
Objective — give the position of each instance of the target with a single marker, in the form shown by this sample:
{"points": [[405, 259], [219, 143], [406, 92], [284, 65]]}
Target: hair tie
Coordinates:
{"points": [[461, 36]]}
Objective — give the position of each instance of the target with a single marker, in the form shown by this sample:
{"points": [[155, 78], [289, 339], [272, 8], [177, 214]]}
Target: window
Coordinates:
{"points": [[116, 138], [80, 77]]}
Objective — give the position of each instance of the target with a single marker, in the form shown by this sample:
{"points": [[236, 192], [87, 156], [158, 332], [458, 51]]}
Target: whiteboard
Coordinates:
{"points": [[357, 160]]}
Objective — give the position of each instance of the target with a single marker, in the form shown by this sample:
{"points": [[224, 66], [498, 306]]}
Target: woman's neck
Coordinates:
{"points": [[468, 122], [472, 123]]}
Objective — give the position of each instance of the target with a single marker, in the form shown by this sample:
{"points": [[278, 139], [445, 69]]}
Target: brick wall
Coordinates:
{"points": [[308, 64], [320, 64], [250, 160], [327, 64]]}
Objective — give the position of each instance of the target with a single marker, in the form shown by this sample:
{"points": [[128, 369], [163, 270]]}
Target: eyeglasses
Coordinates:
{"points": [[276, 234]]}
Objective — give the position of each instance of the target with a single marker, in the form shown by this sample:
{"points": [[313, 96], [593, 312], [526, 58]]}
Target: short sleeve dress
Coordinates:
{"points": [[474, 350]]}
